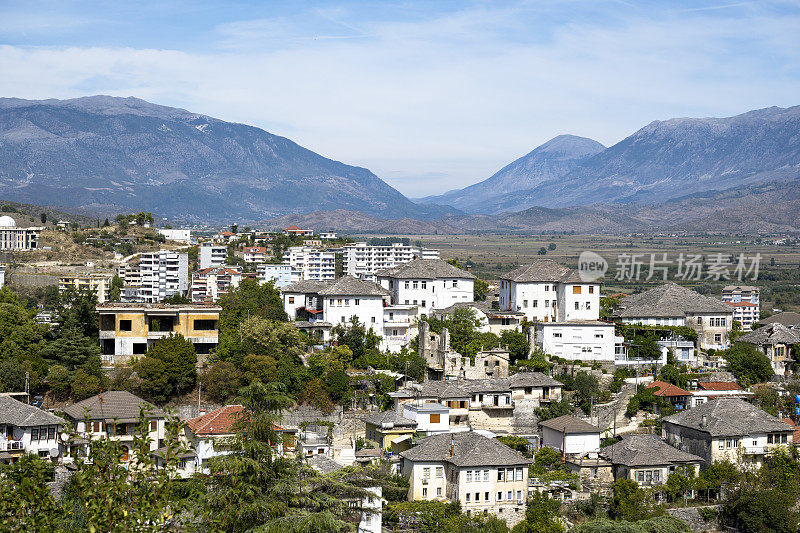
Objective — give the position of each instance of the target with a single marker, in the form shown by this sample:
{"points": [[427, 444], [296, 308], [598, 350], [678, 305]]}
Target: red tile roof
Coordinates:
{"points": [[255, 249], [668, 389], [720, 385], [219, 421], [292, 227], [742, 304], [796, 434]]}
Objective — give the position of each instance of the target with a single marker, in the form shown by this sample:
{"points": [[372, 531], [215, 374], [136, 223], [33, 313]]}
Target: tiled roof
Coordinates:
{"points": [[719, 385], [425, 269], [471, 449], [727, 417], [666, 390], [390, 417], [306, 286], [775, 333], [217, 422], [787, 318], [532, 379], [20, 414], [670, 300], [323, 464], [796, 434], [543, 270], [464, 388], [349, 285], [645, 450], [119, 405], [742, 304], [569, 424], [255, 250]]}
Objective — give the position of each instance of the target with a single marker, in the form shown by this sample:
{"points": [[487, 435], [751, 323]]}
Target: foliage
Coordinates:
{"points": [[480, 290], [630, 502], [541, 515], [517, 343], [363, 343], [660, 524], [221, 381], [435, 517], [85, 385], [58, 378], [520, 444], [554, 410], [747, 364], [168, 368], [26, 503]]}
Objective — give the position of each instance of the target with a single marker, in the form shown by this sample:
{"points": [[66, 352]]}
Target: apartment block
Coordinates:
{"points": [[163, 274], [99, 284], [210, 284], [362, 260], [280, 274], [212, 255], [315, 263]]}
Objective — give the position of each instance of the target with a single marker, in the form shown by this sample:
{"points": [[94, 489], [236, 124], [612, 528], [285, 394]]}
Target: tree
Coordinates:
{"points": [[630, 502], [551, 246], [116, 287], [316, 395], [249, 299], [43, 218], [168, 367], [480, 289], [85, 385], [586, 385], [542, 251], [106, 223], [337, 384], [517, 344], [748, 365], [58, 379], [659, 524], [541, 515], [554, 410], [363, 343], [26, 502]]}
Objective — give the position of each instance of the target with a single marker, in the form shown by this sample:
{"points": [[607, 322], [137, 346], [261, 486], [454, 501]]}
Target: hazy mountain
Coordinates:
{"points": [[550, 161], [106, 154]]}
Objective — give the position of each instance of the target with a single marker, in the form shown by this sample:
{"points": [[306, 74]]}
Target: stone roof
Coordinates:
{"points": [[323, 464], [569, 424], [306, 286], [467, 387], [425, 269], [111, 405], [670, 300], [775, 333], [542, 270], [645, 450], [349, 285], [471, 449], [532, 379], [20, 414], [787, 318], [728, 417], [390, 417]]}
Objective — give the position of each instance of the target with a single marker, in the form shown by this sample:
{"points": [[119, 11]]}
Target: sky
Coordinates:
{"points": [[431, 96]]}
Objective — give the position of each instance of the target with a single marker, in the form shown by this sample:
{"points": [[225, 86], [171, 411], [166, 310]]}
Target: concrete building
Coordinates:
{"points": [[427, 283], [254, 254], [280, 274], [583, 340], [673, 305], [647, 460], [570, 435], [294, 230], [15, 239], [27, 429], [98, 284], [315, 263], [399, 326], [431, 418], [210, 284], [163, 274], [727, 429], [362, 260], [128, 329], [178, 235], [480, 473], [775, 341], [212, 255]]}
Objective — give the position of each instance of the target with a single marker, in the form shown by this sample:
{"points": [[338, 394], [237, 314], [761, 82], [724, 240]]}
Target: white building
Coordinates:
{"points": [[480, 473], [27, 429], [315, 263], [363, 260], [431, 417], [99, 284], [489, 320], [570, 435], [177, 235], [212, 255], [746, 313], [281, 274], [548, 292], [2, 276], [399, 326], [254, 254], [746, 303], [427, 283], [583, 340], [163, 274], [210, 284], [16, 239], [327, 236]]}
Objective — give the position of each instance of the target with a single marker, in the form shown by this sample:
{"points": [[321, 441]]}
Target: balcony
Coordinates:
{"points": [[11, 445]]}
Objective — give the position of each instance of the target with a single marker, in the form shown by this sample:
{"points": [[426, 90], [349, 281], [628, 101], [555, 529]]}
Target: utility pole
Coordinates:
{"points": [[27, 387], [199, 394]]}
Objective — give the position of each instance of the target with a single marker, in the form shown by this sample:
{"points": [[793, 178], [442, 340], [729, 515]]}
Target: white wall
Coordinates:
{"points": [[436, 294], [585, 342], [571, 444], [368, 309]]}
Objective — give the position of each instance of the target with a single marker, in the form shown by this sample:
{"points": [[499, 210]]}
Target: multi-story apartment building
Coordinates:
{"points": [[364, 261], [427, 283], [212, 255], [399, 326], [315, 263], [746, 303], [673, 305], [280, 274], [2, 276], [254, 254], [27, 429], [163, 274], [13, 238], [210, 284], [99, 284], [482, 474], [128, 329]]}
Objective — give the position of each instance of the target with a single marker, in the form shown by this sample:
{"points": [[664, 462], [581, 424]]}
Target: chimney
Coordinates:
{"points": [[704, 421]]}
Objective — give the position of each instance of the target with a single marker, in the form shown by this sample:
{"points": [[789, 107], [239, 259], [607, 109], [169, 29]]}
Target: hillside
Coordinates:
{"points": [[106, 155]]}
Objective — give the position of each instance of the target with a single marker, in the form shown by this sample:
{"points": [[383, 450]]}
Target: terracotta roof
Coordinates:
{"points": [[543, 270], [115, 404], [569, 424], [255, 249], [742, 304], [667, 390], [796, 434], [720, 385], [219, 421]]}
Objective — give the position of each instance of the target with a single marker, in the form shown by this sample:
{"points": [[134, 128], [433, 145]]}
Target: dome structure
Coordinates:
{"points": [[7, 222]]}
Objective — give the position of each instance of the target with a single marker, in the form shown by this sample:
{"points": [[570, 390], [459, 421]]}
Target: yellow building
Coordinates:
{"points": [[129, 329], [99, 284], [387, 429]]}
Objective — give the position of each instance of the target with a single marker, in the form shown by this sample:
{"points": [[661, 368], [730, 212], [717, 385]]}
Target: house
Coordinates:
{"points": [[27, 429], [775, 341], [489, 320], [362, 260], [678, 397], [427, 283], [211, 255], [546, 291], [718, 389], [97, 284], [314, 440], [789, 319], [162, 274], [570, 435], [726, 429], [128, 330], [225, 237], [682, 349], [314, 263], [745, 300], [327, 236], [482, 474], [390, 430], [582, 340], [431, 417], [15, 239], [673, 305], [281, 274], [399, 326], [254, 254], [294, 230], [647, 459], [178, 235], [114, 415], [210, 284]]}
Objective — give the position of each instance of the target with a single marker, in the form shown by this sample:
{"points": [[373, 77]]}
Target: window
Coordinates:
{"points": [[407, 285], [153, 425], [577, 306], [510, 495], [439, 492], [500, 496], [51, 433], [468, 497], [291, 299], [424, 284], [518, 474], [536, 303], [356, 301], [770, 438], [477, 497], [519, 495], [591, 289], [435, 418], [728, 443], [426, 472], [547, 303], [486, 496], [486, 475], [34, 434], [424, 492], [455, 283], [125, 325], [423, 303], [721, 444], [501, 474], [415, 284], [205, 325], [557, 335], [439, 471], [598, 335], [718, 337], [588, 305], [576, 289]]}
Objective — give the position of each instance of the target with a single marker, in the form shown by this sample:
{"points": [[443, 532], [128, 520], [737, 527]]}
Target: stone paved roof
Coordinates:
{"points": [[467, 387], [646, 450], [569, 424], [349, 285], [471, 449], [542, 270], [775, 333], [120, 405], [20, 414], [670, 300], [393, 417], [425, 269], [787, 318], [306, 286], [323, 464], [728, 417]]}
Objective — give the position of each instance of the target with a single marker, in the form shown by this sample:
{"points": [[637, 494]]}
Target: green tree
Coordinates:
{"points": [[748, 365], [168, 367], [363, 343], [116, 287], [480, 290], [551, 246], [58, 378], [43, 218], [26, 502], [221, 381], [542, 251], [541, 515], [630, 502], [337, 384], [517, 343], [85, 385], [659, 524]]}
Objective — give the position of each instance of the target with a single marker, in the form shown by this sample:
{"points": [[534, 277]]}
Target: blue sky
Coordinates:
{"points": [[429, 95]]}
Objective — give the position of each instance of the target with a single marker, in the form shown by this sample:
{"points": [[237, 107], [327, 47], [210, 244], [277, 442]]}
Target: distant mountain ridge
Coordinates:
{"points": [[105, 154]]}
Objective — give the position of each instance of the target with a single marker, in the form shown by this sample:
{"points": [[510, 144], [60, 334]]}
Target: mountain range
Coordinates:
{"points": [[105, 155]]}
